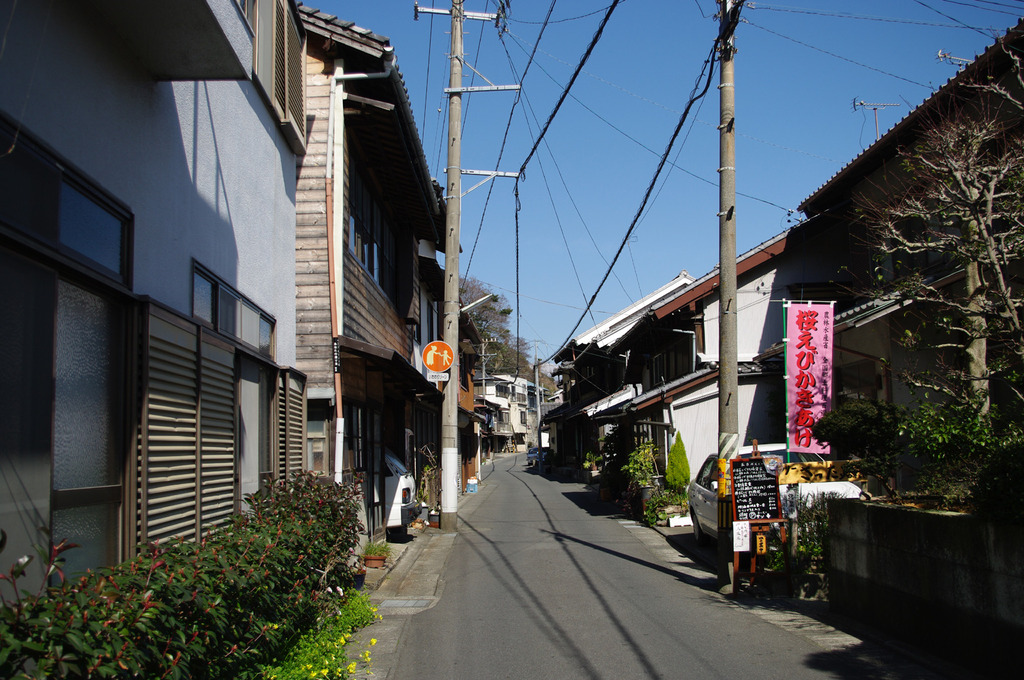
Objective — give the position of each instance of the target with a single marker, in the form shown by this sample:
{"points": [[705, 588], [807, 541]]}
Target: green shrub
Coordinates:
{"points": [[869, 430], [213, 608], [998, 491], [654, 509], [639, 467], [677, 475]]}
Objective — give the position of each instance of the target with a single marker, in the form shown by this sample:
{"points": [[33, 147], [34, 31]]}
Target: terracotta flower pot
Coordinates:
{"points": [[374, 561]]}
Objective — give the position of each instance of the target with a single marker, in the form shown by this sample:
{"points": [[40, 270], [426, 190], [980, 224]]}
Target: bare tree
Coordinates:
{"points": [[951, 229]]}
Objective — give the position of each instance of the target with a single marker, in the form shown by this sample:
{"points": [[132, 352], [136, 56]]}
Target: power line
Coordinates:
{"points": [[543, 132], [860, 17], [708, 67], [541, 300], [652, 151], [560, 21], [426, 80], [838, 56], [988, 34], [985, 9], [519, 43], [508, 125], [561, 176]]}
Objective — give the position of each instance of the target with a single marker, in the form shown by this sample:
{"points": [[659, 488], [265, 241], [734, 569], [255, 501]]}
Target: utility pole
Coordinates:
{"points": [[450, 408], [728, 377], [484, 356], [536, 389], [450, 459]]}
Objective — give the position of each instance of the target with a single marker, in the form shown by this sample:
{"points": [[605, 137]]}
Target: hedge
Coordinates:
{"points": [[213, 608]]}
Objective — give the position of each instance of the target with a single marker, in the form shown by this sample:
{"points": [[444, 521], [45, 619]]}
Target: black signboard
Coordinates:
{"points": [[755, 490]]}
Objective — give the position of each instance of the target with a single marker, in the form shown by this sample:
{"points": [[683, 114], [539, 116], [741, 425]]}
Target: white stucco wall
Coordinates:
{"points": [[760, 297], [201, 165]]}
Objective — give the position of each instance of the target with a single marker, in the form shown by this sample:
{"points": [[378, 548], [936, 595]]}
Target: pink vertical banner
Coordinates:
{"points": [[809, 330]]}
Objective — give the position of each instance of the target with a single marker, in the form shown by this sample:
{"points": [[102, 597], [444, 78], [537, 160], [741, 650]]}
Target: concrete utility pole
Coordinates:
{"points": [[536, 389], [450, 459], [728, 379], [450, 408]]}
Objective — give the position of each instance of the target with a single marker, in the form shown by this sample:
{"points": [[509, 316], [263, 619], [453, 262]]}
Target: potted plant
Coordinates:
{"points": [[359, 577], [375, 553]]}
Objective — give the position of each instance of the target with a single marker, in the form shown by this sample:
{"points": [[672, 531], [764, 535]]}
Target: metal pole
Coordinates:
{"points": [[728, 396], [450, 409]]}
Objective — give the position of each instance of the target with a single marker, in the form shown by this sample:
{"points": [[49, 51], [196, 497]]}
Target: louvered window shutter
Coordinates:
{"points": [[296, 78], [291, 422], [187, 448], [217, 435], [170, 437], [281, 31]]}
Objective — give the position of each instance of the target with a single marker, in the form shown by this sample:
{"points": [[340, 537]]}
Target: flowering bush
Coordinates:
{"points": [[213, 608], [321, 653]]}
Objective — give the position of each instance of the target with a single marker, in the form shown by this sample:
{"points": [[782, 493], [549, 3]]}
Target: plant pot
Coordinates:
{"points": [[374, 561], [434, 520], [360, 580], [606, 494]]}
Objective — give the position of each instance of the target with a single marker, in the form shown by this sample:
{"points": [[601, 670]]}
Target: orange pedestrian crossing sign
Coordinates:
{"points": [[438, 356]]}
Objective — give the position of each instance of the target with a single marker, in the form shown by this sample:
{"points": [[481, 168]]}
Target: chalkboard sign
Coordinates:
{"points": [[755, 490]]}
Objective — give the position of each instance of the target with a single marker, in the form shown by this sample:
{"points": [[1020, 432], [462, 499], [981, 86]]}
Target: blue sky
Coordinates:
{"points": [[799, 69]]}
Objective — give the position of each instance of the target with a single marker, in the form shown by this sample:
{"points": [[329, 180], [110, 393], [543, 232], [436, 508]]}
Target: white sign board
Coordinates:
{"points": [[437, 376], [741, 536]]}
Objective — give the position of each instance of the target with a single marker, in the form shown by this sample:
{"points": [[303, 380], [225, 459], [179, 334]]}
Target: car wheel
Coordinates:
{"points": [[698, 534]]}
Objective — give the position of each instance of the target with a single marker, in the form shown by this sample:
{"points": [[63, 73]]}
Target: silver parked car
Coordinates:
{"points": [[703, 490]]}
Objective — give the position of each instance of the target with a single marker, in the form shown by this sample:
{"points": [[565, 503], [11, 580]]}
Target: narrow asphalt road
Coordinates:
{"points": [[545, 581]]}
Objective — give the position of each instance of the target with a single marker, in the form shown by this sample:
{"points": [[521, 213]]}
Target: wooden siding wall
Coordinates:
{"points": [[314, 349], [368, 314]]}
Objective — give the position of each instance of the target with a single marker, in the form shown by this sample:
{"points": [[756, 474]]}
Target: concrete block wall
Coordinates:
{"points": [[949, 583]]}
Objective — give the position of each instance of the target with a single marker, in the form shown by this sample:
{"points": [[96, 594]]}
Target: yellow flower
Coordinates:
{"points": [[352, 667], [373, 641]]}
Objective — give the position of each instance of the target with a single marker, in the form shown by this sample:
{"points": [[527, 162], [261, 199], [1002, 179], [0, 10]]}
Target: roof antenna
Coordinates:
{"points": [[874, 107], [950, 59]]}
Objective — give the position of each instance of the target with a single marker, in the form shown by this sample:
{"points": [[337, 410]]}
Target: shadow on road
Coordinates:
{"points": [[589, 502], [707, 583]]}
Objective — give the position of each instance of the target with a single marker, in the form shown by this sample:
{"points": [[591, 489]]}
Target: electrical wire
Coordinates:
{"points": [[561, 21], [860, 17], [519, 43], [707, 68], [504, 139], [561, 176], [426, 80], [838, 56], [989, 34], [547, 126]]}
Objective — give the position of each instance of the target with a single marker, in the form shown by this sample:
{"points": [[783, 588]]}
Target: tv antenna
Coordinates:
{"points": [[950, 59], [874, 107]]}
